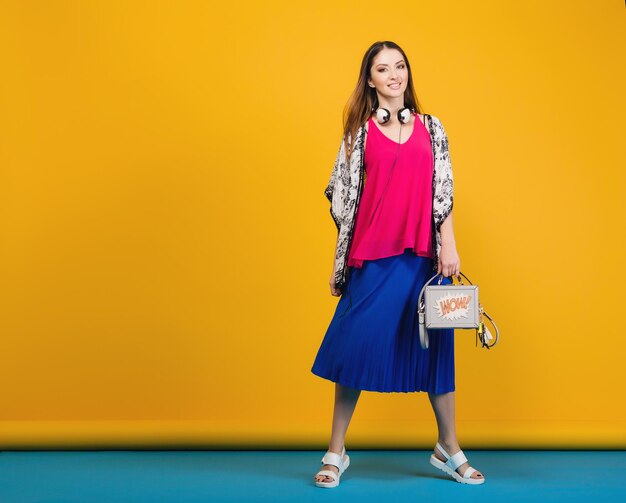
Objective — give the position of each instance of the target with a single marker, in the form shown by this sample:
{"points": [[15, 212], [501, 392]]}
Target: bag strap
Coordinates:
{"points": [[482, 336], [421, 313]]}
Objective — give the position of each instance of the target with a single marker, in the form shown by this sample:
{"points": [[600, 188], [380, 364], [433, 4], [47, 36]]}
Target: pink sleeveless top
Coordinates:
{"points": [[404, 215]]}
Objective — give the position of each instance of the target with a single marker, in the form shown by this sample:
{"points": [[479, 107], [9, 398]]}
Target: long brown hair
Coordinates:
{"points": [[364, 99]]}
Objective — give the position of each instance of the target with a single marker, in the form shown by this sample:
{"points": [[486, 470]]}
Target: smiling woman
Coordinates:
{"points": [[389, 241]]}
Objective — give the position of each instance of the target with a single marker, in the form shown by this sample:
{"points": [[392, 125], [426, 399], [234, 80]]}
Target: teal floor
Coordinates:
{"points": [[203, 476]]}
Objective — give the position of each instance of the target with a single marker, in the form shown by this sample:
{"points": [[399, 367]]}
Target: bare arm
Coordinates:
{"points": [[335, 254], [447, 232], [449, 261]]}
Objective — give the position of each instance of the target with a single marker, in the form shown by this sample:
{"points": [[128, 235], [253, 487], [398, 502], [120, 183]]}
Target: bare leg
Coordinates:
{"points": [[345, 402], [443, 406]]}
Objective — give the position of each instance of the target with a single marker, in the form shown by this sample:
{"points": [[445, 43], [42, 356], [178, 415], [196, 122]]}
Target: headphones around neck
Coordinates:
{"points": [[383, 115]]}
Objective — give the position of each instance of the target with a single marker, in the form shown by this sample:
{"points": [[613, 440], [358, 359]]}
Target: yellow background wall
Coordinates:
{"points": [[165, 245]]}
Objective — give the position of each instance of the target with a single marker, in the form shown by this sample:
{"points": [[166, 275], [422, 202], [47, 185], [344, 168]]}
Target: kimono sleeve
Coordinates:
{"points": [[333, 190], [444, 180]]}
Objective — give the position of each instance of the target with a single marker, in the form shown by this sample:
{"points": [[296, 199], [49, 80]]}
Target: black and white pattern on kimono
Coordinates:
{"points": [[443, 183], [344, 191], [346, 185]]}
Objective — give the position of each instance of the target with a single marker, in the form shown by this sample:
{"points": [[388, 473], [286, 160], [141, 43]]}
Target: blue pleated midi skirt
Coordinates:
{"points": [[372, 342]]}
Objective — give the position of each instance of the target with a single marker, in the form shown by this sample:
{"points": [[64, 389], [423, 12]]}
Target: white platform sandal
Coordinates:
{"points": [[452, 463], [341, 462]]}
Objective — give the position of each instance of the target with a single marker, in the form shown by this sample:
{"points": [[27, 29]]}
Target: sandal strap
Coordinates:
{"points": [[456, 460], [330, 473], [442, 450], [468, 472], [332, 458]]}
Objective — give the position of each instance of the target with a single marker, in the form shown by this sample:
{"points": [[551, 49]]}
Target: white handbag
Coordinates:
{"points": [[453, 306]]}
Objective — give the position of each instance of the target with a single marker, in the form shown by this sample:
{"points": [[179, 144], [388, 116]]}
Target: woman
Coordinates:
{"points": [[392, 203]]}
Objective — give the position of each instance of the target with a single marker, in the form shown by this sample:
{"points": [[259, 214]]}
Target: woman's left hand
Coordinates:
{"points": [[449, 261]]}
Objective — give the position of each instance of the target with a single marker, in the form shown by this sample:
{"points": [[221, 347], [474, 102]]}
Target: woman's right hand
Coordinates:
{"points": [[334, 291]]}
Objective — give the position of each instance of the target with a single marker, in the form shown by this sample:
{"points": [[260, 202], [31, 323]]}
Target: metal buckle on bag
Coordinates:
{"points": [[486, 335]]}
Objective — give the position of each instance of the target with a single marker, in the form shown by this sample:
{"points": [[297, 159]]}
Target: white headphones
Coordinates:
{"points": [[383, 115]]}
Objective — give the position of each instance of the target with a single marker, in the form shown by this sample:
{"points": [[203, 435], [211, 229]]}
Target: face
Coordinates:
{"points": [[389, 74]]}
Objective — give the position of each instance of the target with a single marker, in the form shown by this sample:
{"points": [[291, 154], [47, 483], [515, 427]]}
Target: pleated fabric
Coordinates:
{"points": [[372, 342]]}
